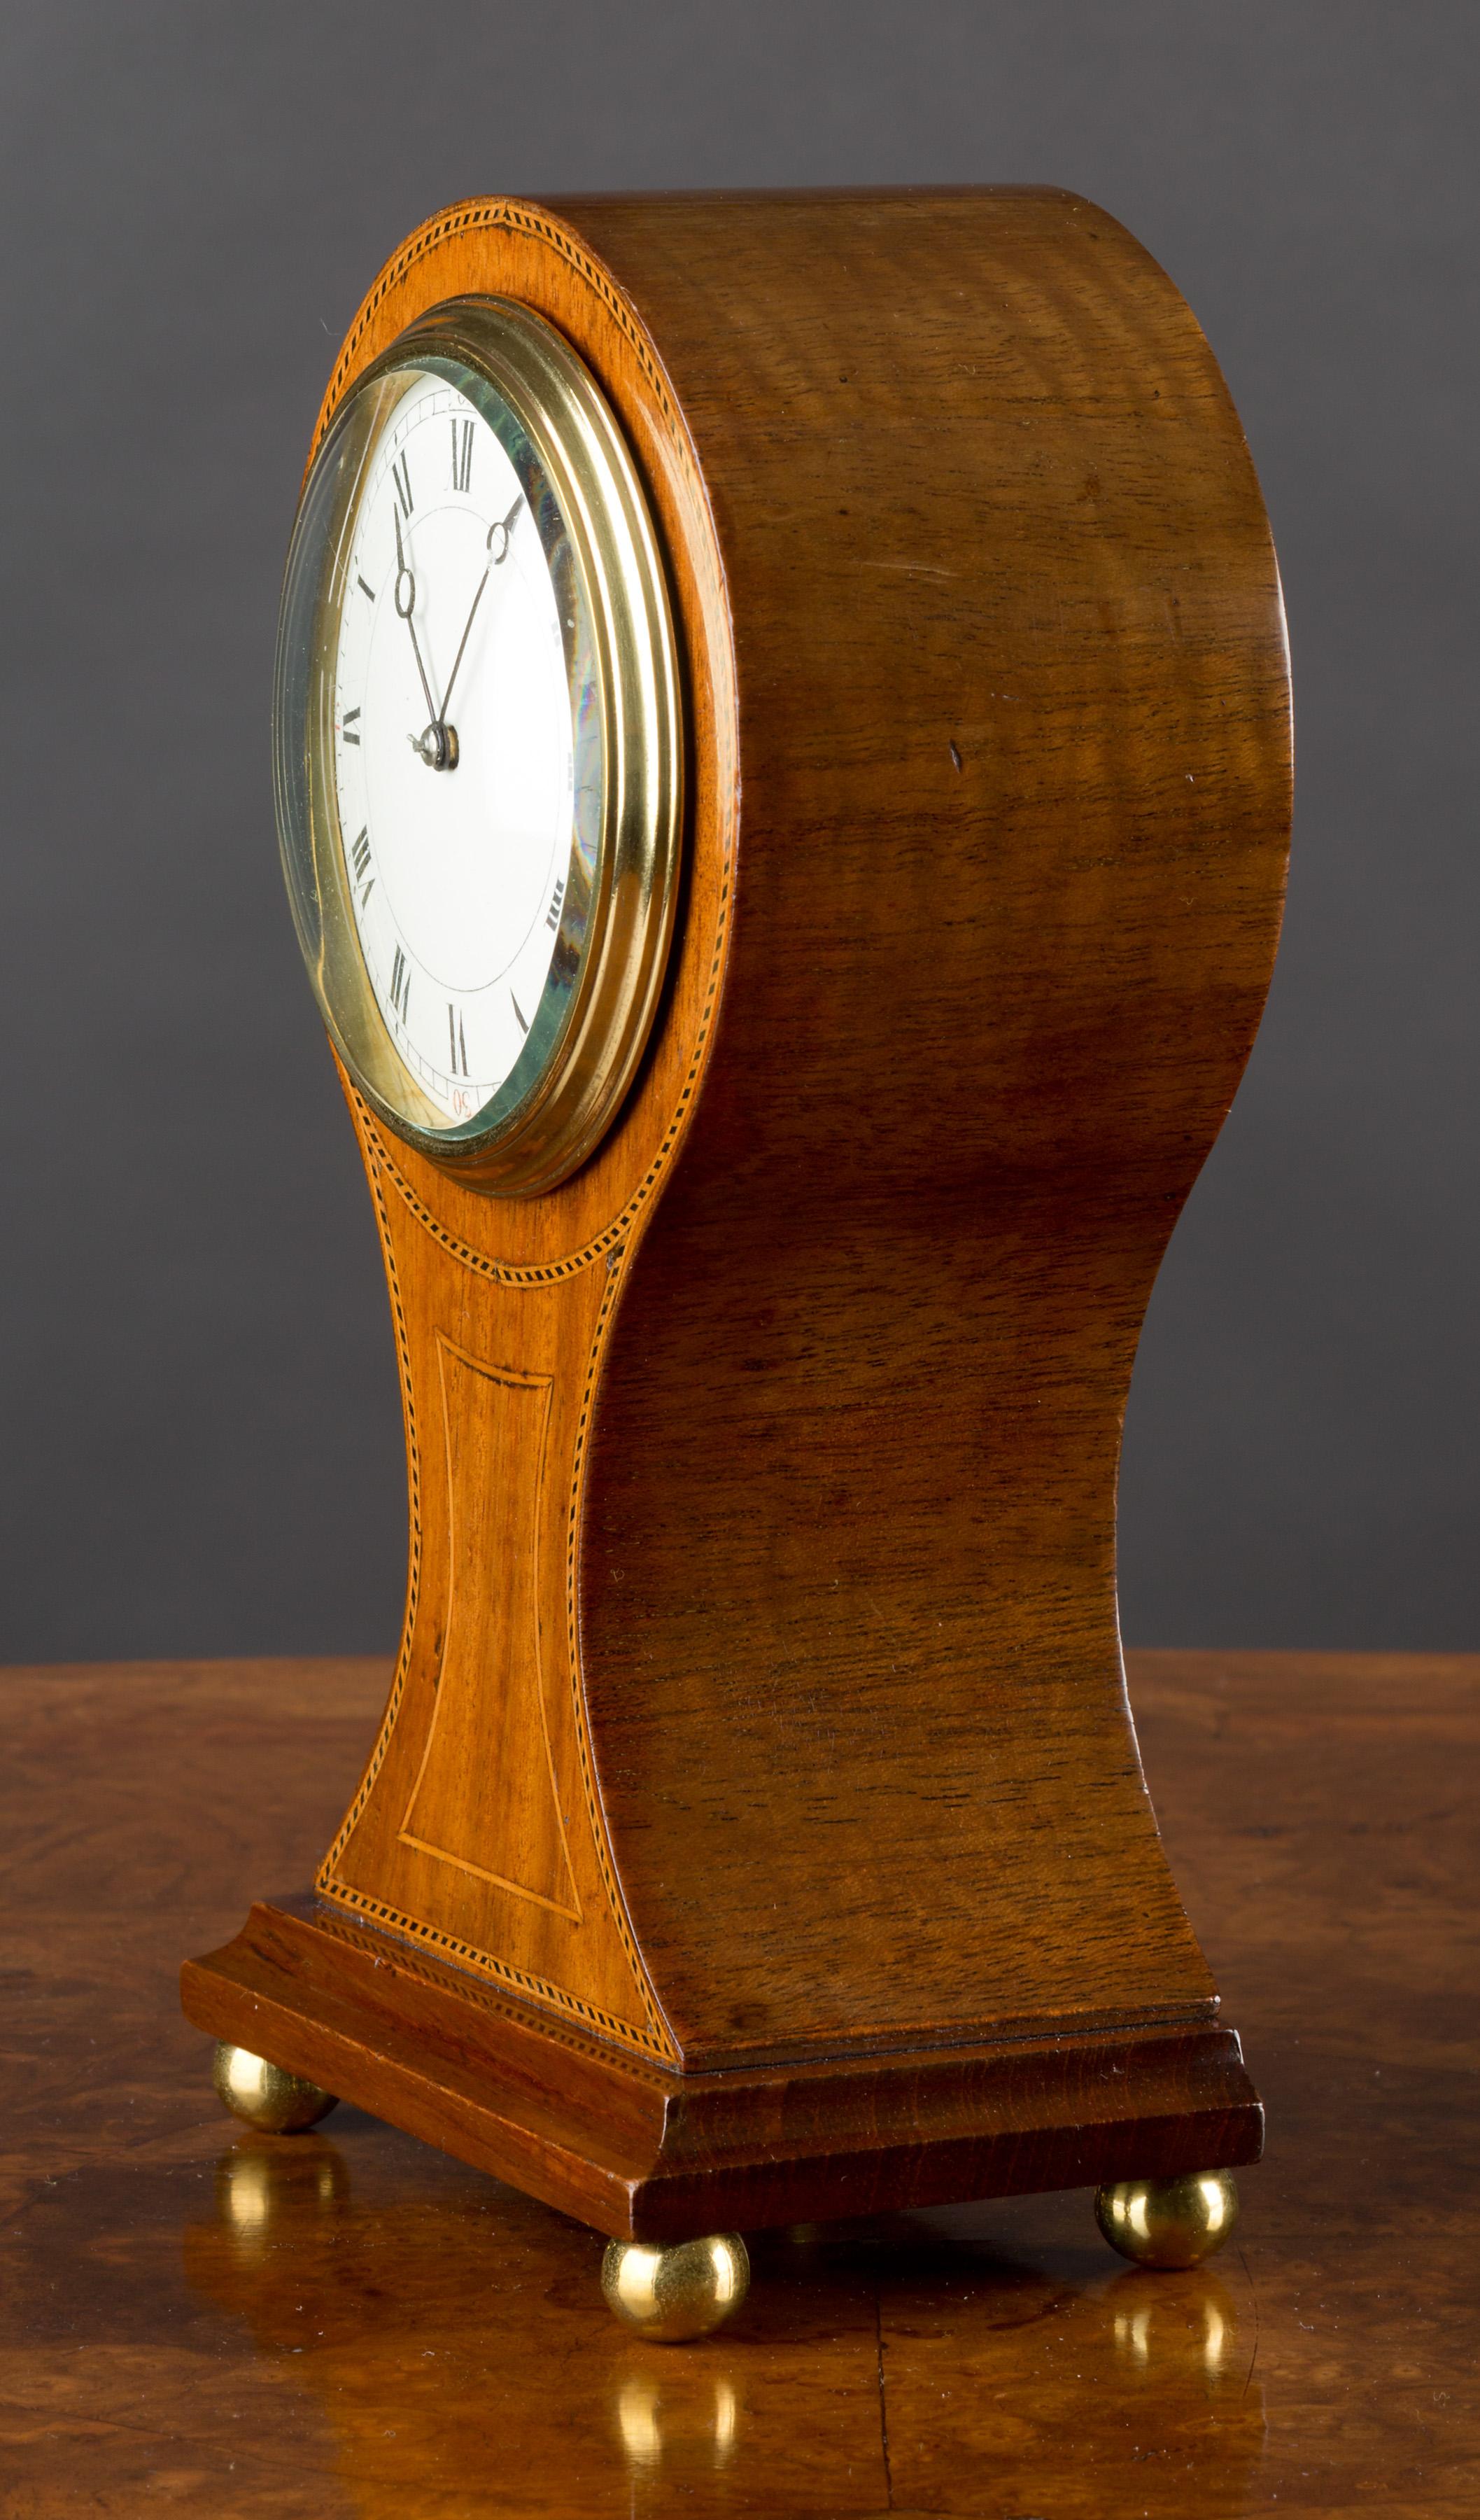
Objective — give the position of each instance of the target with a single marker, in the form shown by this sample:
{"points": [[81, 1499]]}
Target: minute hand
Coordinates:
{"points": [[494, 561]]}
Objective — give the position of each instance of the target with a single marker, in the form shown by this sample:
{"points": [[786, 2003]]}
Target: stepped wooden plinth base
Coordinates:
{"points": [[646, 2153]]}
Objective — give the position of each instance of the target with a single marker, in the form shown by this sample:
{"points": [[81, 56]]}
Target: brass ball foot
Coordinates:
{"points": [[671, 2295], [264, 2095], [1169, 2222]]}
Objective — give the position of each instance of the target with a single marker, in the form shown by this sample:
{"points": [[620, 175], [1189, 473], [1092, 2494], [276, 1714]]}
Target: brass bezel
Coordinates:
{"points": [[616, 927]]}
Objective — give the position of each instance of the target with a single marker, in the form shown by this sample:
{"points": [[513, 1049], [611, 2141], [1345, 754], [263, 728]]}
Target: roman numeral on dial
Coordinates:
{"points": [[348, 729], [519, 1019], [461, 454], [359, 859], [457, 1046], [400, 986], [552, 917], [401, 474]]}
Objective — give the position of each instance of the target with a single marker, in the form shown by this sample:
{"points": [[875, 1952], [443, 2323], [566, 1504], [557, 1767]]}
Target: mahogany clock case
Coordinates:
{"points": [[756, 1827]]}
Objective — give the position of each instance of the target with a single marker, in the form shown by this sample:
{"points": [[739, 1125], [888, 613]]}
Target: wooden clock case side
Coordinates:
{"points": [[773, 1842]]}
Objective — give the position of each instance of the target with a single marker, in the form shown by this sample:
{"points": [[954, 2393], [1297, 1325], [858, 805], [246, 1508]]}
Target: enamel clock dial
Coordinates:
{"points": [[477, 746]]}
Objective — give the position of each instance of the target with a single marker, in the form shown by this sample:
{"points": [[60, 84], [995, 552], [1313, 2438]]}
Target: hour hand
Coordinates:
{"points": [[406, 604]]}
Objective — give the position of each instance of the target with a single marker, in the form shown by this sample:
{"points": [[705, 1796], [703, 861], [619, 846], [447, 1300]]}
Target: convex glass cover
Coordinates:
{"points": [[477, 746]]}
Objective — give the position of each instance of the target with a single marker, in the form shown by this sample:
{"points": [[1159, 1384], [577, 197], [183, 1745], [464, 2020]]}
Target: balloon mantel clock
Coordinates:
{"points": [[782, 764]]}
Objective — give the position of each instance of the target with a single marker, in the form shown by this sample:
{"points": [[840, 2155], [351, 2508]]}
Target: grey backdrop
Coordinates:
{"points": [[202, 1442]]}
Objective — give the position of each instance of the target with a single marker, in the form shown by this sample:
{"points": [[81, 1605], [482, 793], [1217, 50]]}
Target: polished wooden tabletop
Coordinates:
{"points": [[345, 2323]]}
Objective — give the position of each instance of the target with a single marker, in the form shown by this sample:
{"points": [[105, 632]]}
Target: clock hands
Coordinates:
{"points": [[433, 745], [437, 745]]}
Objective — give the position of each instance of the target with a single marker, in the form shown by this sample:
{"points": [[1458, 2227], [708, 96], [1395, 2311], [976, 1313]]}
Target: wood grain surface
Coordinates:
{"points": [[802, 1728], [346, 2325]]}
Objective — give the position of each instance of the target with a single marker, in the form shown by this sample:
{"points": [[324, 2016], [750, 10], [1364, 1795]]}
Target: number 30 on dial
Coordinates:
{"points": [[477, 746]]}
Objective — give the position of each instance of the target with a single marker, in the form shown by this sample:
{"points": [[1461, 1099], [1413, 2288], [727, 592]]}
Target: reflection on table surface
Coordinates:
{"points": [[449, 2335], [345, 2324]]}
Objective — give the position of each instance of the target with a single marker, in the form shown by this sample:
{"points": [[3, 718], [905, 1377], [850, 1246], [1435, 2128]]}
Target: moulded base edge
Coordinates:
{"points": [[642, 2151]]}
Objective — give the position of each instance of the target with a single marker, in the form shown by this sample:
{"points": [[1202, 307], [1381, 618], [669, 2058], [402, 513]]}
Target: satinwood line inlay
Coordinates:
{"points": [[654, 2036], [507, 1378], [507, 1273], [523, 219]]}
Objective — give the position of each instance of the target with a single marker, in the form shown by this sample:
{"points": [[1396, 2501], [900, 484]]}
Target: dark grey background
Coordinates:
{"points": [[201, 1443]]}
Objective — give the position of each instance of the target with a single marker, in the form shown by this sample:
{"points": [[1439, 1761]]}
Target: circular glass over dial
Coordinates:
{"points": [[477, 746], [454, 745]]}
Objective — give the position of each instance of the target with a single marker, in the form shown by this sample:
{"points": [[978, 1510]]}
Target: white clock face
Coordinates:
{"points": [[454, 750]]}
